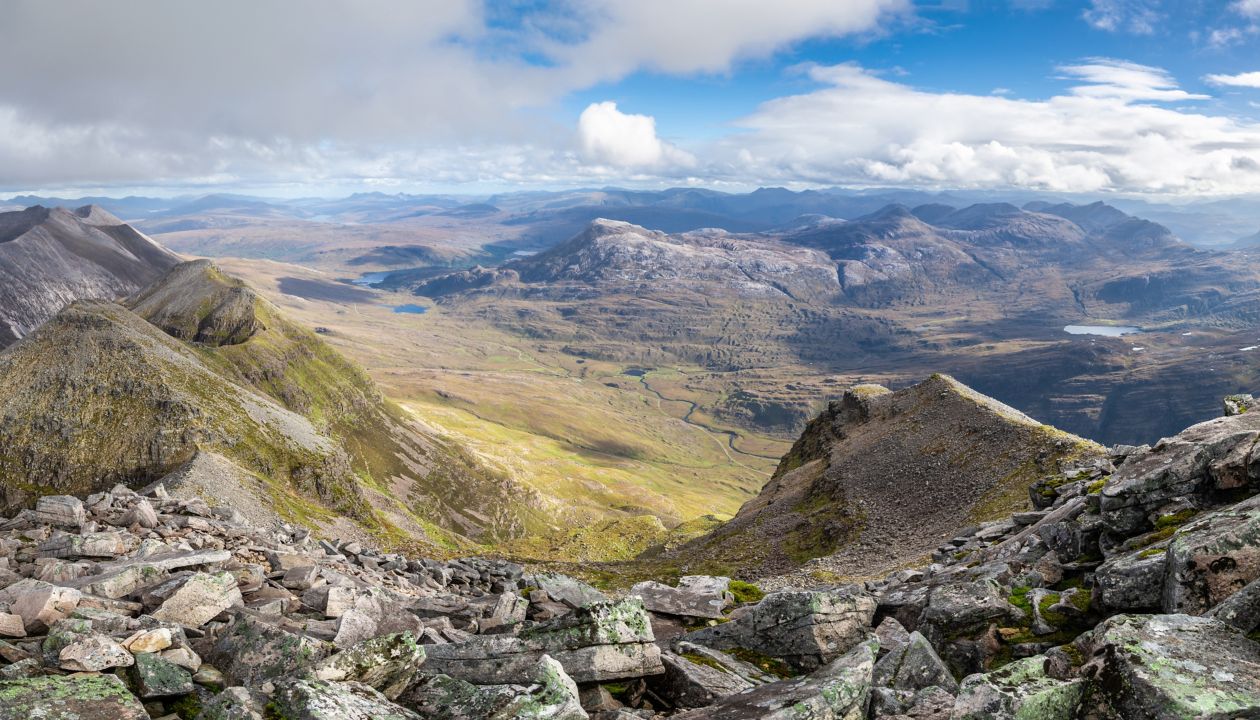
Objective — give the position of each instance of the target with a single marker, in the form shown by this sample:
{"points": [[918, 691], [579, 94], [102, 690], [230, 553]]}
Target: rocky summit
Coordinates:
{"points": [[1131, 590]]}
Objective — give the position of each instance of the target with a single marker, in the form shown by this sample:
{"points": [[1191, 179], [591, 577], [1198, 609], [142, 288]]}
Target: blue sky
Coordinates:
{"points": [[1131, 97]]}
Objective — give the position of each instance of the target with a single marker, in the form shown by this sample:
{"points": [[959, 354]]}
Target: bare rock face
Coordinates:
{"points": [[50, 258]]}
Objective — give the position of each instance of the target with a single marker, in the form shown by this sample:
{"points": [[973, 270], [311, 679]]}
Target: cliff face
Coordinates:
{"points": [[882, 477]]}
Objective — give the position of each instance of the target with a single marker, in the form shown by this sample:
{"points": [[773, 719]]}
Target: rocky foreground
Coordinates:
{"points": [[1132, 592]]}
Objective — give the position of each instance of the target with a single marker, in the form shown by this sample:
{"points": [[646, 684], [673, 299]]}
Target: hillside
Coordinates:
{"points": [[52, 257], [881, 478]]}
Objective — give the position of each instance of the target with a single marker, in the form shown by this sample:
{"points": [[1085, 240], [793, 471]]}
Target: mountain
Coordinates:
{"points": [[209, 367], [51, 257], [881, 478]]}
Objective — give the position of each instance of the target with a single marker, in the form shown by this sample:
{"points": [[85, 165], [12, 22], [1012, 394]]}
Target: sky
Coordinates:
{"points": [[1156, 98]]}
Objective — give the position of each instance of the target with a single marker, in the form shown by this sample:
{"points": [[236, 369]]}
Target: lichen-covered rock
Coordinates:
{"points": [[1135, 581], [1210, 456], [914, 666], [76, 697], [1021, 690], [389, 664], [234, 703], [552, 695], [305, 699], [840, 690], [1174, 666], [252, 650], [152, 676], [199, 599], [600, 643], [805, 629], [964, 606], [700, 596], [564, 589], [1242, 609], [1212, 558], [692, 680], [93, 653]]}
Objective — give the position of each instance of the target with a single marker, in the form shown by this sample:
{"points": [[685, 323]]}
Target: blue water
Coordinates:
{"points": [[368, 279], [1103, 330], [416, 309]]}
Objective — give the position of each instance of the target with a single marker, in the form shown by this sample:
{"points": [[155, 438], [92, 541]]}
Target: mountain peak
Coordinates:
{"points": [[196, 302]]}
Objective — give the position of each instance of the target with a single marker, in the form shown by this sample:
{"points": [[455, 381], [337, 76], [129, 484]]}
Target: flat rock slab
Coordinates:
{"points": [[79, 697], [840, 690], [697, 596], [199, 599]]}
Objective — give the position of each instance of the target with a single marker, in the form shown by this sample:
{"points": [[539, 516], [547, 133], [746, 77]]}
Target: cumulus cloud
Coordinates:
{"points": [[1106, 134], [610, 137], [1245, 80]]}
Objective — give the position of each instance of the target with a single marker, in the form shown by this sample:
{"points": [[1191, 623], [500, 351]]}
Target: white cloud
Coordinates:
{"points": [[1102, 136], [1135, 16], [610, 137], [1250, 8], [1108, 78], [1246, 80]]}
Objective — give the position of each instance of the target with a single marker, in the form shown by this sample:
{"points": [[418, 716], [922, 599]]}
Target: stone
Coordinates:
{"points": [[914, 666], [235, 703], [600, 643], [551, 694], [805, 629], [12, 626], [961, 607], [891, 635], [300, 578], [564, 589], [152, 676], [183, 657], [142, 514], [95, 545], [1241, 610], [40, 604], [148, 641], [60, 510], [389, 664], [1238, 404], [200, 599], [699, 596], [840, 690], [693, 681], [1213, 455], [1019, 690], [74, 697], [209, 676], [308, 699], [1213, 557], [1135, 581], [252, 651], [93, 653], [1174, 666], [281, 561]]}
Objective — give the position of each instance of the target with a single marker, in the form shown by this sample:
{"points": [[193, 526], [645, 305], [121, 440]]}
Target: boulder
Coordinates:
{"points": [[200, 599], [1135, 581], [74, 697], [235, 703], [40, 604], [551, 694], [389, 664], [692, 680], [91, 545], [148, 641], [308, 699], [1213, 557], [12, 626], [1018, 691], [1211, 456], [93, 653], [914, 666], [840, 690], [153, 676], [252, 650], [1174, 666], [564, 589], [965, 606], [699, 596], [60, 510], [603, 642], [1242, 609], [891, 635], [805, 629]]}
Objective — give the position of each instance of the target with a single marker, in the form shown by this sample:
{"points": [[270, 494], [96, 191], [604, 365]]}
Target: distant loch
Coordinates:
{"points": [[1103, 330]]}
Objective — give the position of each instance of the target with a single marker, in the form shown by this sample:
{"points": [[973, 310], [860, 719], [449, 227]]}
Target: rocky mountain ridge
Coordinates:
{"points": [[52, 257], [1133, 592]]}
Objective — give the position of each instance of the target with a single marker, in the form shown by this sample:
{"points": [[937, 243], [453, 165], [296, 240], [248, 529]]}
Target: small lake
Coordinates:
{"points": [[367, 279], [1103, 330], [413, 309], [635, 372]]}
